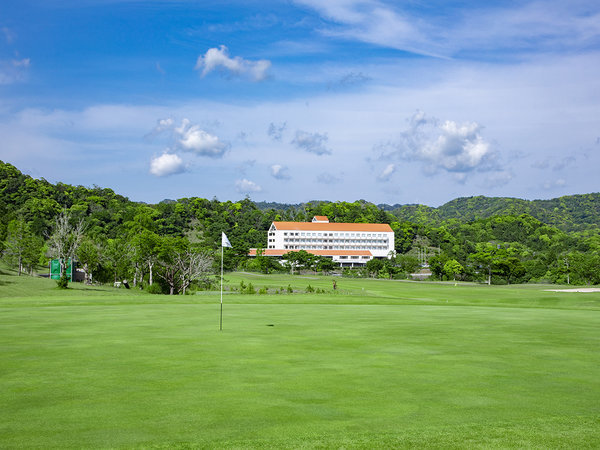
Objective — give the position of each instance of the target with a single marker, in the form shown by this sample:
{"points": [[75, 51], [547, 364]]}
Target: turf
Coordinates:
{"points": [[375, 364]]}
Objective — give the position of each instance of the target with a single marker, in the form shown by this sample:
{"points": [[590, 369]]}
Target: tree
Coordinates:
{"points": [[22, 247], [325, 265], [146, 247], [407, 263], [452, 268], [169, 261], [65, 239], [116, 255], [193, 265], [88, 255], [510, 267], [299, 259], [484, 257], [373, 266]]}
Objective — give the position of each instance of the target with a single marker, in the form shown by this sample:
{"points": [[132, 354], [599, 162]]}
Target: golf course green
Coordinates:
{"points": [[371, 364]]}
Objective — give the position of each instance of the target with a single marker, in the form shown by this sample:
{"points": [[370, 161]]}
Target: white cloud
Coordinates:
{"points": [[312, 142], [166, 164], [245, 186], [387, 172], [280, 172], [219, 59], [450, 146], [194, 139], [532, 25]]}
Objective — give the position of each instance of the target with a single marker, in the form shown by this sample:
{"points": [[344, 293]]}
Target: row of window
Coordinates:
{"points": [[336, 241], [332, 247], [336, 234]]}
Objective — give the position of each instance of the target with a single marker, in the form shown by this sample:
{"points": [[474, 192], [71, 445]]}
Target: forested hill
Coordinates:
{"points": [[510, 240], [569, 213]]}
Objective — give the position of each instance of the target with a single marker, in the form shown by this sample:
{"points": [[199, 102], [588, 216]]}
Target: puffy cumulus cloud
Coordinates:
{"points": [[387, 172], [219, 59], [280, 172], [185, 138], [275, 131], [162, 125], [245, 186], [312, 142], [166, 164], [443, 145], [194, 139]]}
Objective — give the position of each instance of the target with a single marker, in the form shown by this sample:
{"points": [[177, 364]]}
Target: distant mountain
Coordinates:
{"points": [[43, 200], [569, 213]]}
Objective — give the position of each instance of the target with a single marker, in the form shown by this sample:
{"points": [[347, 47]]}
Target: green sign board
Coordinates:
{"points": [[55, 269]]}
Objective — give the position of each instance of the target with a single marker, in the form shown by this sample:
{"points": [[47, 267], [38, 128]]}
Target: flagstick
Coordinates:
{"points": [[221, 316]]}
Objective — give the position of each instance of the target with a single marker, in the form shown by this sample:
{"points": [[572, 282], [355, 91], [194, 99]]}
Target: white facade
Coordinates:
{"points": [[320, 235]]}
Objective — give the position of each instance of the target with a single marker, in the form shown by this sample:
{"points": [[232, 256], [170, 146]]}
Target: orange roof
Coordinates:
{"points": [[279, 252], [316, 226], [321, 218]]}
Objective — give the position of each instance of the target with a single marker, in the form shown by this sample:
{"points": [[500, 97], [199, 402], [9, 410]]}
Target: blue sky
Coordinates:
{"points": [[291, 101]]}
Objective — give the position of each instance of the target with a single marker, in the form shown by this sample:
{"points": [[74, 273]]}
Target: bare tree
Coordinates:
{"points": [[192, 266], [180, 264], [65, 239]]}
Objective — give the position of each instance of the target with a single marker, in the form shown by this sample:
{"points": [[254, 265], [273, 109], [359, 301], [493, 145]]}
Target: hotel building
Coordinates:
{"points": [[349, 244]]}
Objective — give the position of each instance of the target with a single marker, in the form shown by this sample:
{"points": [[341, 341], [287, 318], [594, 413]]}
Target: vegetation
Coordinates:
{"points": [[377, 364], [173, 244]]}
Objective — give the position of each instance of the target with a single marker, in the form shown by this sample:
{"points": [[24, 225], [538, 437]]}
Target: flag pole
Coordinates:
{"points": [[221, 316]]}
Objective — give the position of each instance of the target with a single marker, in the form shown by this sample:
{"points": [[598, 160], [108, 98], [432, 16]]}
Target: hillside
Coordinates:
{"points": [[569, 213]]}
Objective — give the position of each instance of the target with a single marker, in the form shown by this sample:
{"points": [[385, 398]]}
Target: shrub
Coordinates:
{"points": [[154, 288], [290, 290], [310, 289], [263, 290], [63, 281], [250, 289]]}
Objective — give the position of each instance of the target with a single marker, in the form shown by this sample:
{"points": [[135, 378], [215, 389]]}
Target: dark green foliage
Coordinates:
{"points": [[63, 281], [502, 240]]}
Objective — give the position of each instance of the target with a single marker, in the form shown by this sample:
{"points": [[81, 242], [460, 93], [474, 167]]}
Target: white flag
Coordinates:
{"points": [[224, 241]]}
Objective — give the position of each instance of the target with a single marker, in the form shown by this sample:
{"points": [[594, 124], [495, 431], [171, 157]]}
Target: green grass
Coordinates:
{"points": [[376, 364]]}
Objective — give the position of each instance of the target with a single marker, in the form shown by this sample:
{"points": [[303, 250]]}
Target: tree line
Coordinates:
{"points": [[173, 246]]}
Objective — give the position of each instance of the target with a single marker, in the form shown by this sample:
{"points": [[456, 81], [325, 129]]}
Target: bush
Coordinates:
{"points": [[63, 281], [154, 288], [290, 290], [263, 290], [250, 289], [310, 289]]}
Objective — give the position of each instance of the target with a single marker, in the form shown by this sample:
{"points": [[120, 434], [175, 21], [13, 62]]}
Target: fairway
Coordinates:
{"points": [[375, 363]]}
